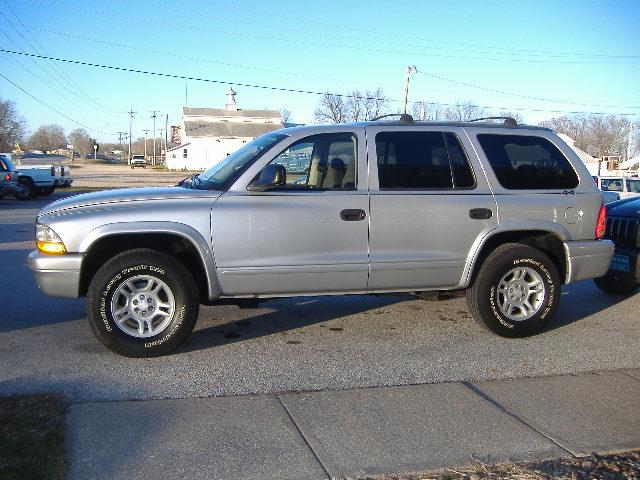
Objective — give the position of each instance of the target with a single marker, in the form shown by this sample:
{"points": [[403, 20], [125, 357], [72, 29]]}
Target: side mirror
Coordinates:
{"points": [[273, 175]]}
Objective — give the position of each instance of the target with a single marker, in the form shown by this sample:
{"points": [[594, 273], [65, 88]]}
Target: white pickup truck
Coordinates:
{"points": [[36, 180]]}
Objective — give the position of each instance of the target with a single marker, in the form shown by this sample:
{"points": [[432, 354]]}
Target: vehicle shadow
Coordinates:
{"points": [[578, 301], [287, 314], [581, 300]]}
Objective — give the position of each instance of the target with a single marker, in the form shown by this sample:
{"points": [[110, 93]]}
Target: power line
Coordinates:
{"points": [[165, 53], [77, 88], [465, 47], [353, 28], [268, 87], [608, 60], [297, 74], [52, 108], [45, 82], [517, 94]]}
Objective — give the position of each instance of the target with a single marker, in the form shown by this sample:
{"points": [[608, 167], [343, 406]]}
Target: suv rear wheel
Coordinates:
{"points": [[516, 291], [142, 303]]}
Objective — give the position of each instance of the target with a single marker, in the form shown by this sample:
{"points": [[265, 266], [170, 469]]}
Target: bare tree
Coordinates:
{"points": [[353, 107], [463, 111], [331, 109], [508, 113], [11, 126], [285, 113], [375, 104], [47, 137], [598, 135], [81, 141], [429, 112]]}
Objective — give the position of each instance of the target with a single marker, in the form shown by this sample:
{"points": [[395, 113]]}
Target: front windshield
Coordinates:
{"points": [[633, 185], [9, 165], [227, 171]]}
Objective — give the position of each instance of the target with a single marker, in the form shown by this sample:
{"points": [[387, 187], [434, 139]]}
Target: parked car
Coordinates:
{"points": [[65, 176], [8, 177], [624, 186], [609, 197], [138, 161], [509, 213], [36, 180], [623, 228]]}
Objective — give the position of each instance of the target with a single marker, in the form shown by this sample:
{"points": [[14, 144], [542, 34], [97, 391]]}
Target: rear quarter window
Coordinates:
{"points": [[525, 162]]}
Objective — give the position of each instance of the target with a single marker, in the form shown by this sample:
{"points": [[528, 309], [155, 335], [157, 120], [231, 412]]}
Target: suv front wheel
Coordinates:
{"points": [[516, 291], [142, 303]]}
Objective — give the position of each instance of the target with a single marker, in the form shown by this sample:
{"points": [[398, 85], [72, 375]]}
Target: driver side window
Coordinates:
{"points": [[320, 162]]}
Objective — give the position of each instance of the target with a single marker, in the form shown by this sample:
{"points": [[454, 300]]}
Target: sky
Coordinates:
{"points": [[540, 58]]}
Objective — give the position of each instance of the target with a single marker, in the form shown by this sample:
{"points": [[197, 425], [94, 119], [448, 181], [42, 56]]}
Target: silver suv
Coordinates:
{"points": [[507, 212]]}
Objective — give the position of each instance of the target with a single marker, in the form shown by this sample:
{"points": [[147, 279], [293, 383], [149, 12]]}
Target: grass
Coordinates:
{"points": [[32, 437], [612, 466], [82, 189]]}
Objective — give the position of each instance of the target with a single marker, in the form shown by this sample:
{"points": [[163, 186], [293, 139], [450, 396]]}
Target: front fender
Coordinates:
{"points": [[185, 231]]}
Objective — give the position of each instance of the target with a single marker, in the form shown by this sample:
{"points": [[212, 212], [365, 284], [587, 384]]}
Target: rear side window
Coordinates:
{"points": [[3, 166], [422, 160], [523, 162]]}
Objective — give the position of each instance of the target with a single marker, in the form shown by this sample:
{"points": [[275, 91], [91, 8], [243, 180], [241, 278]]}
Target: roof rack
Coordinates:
{"points": [[508, 121], [404, 117]]}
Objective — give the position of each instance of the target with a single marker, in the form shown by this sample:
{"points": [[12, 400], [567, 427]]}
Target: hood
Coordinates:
{"points": [[628, 207], [123, 195]]}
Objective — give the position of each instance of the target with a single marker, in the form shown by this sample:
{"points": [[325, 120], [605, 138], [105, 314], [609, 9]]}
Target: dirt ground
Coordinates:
{"points": [[122, 176]]}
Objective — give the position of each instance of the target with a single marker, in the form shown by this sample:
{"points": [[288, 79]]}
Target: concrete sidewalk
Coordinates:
{"points": [[354, 433]]}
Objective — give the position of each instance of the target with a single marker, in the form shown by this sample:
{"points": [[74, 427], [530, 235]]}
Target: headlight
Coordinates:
{"points": [[47, 240]]}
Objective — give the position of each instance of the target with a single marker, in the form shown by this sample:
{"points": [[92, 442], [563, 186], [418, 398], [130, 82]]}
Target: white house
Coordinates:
{"points": [[588, 160], [208, 135]]}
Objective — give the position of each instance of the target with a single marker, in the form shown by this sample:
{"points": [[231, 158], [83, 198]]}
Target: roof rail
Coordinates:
{"points": [[404, 117], [508, 121]]}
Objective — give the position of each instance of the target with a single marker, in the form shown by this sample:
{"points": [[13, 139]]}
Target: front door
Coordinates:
{"points": [[308, 235]]}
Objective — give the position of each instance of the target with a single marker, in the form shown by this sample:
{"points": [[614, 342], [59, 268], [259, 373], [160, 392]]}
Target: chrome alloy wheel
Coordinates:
{"points": [[521, 293], [142, 306]]}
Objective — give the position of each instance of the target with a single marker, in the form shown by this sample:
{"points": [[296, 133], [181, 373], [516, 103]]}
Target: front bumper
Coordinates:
{"points": [[57, 275], [629, 269], [590, 259]]}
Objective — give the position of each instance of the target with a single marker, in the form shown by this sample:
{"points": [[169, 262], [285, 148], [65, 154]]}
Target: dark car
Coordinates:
{"points": [[623, 227], [8, 177]]}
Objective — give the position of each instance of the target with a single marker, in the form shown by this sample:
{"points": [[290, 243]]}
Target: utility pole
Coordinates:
{"points": [[146, 132], [409, 71], [120, 136], [166, 135], [161, 142], [131, 114], [153, 115], [629, 139]]}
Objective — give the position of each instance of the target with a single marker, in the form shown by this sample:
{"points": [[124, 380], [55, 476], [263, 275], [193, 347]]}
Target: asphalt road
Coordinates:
{"points": [[292, 344]]}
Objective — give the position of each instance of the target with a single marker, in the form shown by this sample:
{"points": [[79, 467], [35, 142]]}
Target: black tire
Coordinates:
{"points": [[613, 284], [484, 299], [131, 265], [28, 189]]}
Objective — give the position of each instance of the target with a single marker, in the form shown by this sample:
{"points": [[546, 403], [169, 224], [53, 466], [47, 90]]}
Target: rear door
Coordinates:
{"points": [[430, 202]]}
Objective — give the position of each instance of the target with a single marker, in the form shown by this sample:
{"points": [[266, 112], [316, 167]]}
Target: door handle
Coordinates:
{"points": [[353, 215], [480, 213]]}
